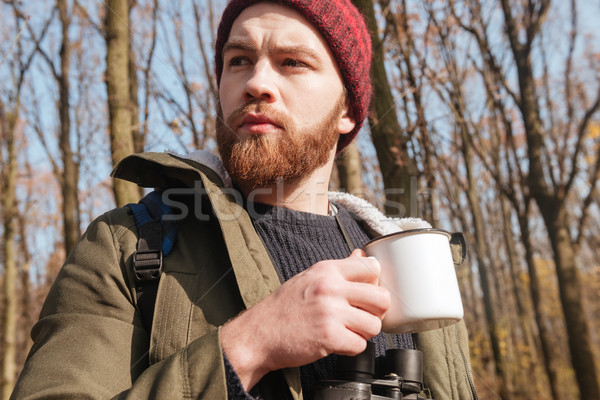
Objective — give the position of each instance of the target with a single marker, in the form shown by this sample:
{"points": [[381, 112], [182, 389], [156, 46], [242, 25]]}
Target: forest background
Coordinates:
{"points": [[485, 119]]}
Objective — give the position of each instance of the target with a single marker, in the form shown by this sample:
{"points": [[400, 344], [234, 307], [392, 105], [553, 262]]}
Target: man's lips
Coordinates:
{"points": [[258, 123]]}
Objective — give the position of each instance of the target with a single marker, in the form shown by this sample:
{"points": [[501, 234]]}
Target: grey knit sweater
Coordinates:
{"points": [[296, 240]]}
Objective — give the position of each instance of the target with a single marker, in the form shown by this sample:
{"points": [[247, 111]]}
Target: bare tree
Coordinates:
{"points": [[68, 175], [491, 149], [10, 107], [136, 132], [119, 89], [551, 183], [8, 122], [399, 170], [349, 170], [25, 278], [189, 106], [455, 95], [409, 58], [548, 168]]}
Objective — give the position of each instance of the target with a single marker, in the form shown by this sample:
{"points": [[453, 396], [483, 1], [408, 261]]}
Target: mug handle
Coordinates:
{"points": [[458, 247]]}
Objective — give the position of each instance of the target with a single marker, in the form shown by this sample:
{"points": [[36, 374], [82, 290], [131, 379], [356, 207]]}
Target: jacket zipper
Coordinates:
{"points": [[467, 368]]}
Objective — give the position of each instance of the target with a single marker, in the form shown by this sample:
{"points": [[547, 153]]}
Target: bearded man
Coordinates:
{"points": [[262, 291]]}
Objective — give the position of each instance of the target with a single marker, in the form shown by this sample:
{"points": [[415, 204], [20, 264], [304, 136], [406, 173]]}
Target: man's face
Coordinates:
{"points": [[281, 96]]}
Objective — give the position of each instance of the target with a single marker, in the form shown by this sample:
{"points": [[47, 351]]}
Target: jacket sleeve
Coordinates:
{"points": [[446, 363], [90, 343]]}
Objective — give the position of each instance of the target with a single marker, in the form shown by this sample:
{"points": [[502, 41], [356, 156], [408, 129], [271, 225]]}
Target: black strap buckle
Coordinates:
{"points": [[147, 265]]}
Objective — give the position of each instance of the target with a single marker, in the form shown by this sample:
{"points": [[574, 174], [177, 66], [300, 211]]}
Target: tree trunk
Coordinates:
{"points": [[9, 208], [484, 263], [398, 169], [545, 334], [405, 42], [571, 294], [25, 278], [70, 178], [524, 319], [137, 134], [349, 170], [484, 279], [136, 131], [118, 91]]}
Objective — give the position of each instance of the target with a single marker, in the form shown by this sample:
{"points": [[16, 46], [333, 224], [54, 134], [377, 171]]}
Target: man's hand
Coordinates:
{"points": [[332, 307]]}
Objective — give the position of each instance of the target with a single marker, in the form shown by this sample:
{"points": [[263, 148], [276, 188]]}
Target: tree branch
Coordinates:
{"points": [[207, 65], [583, 126], [147, 71], [593, 184], [511, 27], [38, 40], [88, 18], [484, 45], [536, 18]]}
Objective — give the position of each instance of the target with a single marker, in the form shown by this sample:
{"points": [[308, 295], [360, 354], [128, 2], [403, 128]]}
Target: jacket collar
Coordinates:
{"points": [[173, 170]]}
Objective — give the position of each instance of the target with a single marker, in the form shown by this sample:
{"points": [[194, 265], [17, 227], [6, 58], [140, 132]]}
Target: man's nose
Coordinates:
{"points": [[261, 84]]}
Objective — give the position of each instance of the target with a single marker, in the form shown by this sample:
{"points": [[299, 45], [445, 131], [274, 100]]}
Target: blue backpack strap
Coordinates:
{"points": [[157, 209], [156, 238]]}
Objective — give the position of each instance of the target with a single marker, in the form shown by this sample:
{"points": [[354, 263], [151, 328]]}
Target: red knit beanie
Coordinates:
{"points": [[343, 28]]}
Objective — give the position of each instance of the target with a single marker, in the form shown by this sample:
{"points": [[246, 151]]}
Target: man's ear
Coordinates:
{"points": [[347, 122]]}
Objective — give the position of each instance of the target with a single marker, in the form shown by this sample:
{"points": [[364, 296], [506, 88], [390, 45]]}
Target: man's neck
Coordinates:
{"points": [[307, 195]]}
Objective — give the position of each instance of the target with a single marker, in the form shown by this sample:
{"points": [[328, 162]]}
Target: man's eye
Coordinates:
{"points": [[236, 61], [290, 62]]}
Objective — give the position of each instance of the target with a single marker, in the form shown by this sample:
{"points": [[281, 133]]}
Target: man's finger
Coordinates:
{"points": [[373, 299], [358, 268]]}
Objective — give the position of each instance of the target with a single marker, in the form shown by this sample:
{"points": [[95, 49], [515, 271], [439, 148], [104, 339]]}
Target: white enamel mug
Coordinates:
{"points": [[418, 269]]}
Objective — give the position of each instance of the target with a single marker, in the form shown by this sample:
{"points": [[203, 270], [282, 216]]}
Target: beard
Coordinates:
{"points": [[290, 154]]}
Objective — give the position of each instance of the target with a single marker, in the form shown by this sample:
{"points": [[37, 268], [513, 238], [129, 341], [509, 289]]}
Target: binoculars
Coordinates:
{"points": [[355, 377]]}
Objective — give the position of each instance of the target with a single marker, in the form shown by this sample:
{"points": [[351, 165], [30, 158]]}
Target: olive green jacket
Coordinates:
{"points": [[90, 342]]}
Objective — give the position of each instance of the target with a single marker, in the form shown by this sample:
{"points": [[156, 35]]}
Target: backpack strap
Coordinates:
{"points": [[156, 238]]}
